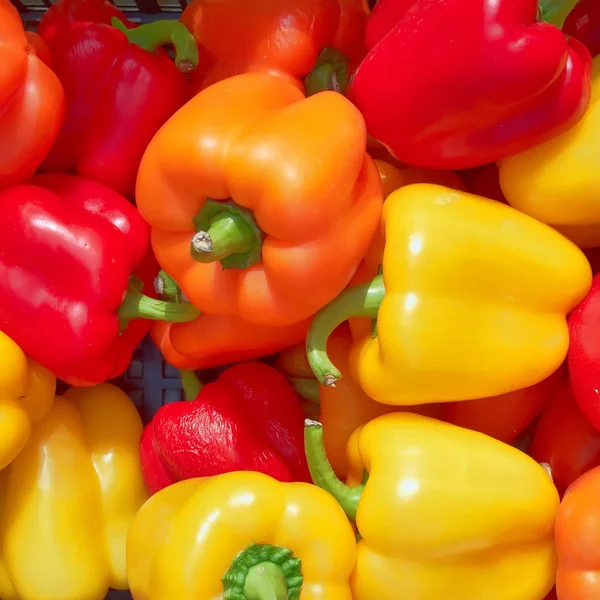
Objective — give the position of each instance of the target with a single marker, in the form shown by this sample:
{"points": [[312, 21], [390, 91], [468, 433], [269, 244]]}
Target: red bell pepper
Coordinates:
{"points": [[250, 419], [64, 13], [461, 83], [68, 248], [584, 354], [583, 23], [119, 93], [565, 440]]}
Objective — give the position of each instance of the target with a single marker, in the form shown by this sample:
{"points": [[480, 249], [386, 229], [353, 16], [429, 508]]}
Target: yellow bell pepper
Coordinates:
{"points": [[240, 535], [26, 394], [67, 500], [559, 182], [477, 295], [442, 511]]}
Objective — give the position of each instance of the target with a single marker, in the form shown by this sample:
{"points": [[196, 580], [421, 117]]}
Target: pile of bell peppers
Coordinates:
{"points": [[366, 236]]}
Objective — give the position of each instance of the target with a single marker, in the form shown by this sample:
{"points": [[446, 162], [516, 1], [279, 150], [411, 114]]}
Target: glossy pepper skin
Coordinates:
{"points": [[250, 419], [583, 23], [32, 102], [565, 440], [287, 38], [284, 540], [70, 311], [577, 535], [26, 395], [437, 337], [256, 194], [69, 498], [119, 92], [442, 511], [584, 354], [545, 90], [559, 182]]}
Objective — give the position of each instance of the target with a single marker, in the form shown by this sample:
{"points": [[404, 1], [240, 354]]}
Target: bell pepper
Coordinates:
{"points": [[69, 497], [474, 302], [564, 439], [250, 419], [577, 535], [559, 182], [119, 93], [256, 195], [240, 535], [32, 102], [216, 340], [583, 23], [321, 39], [68, 249], [65, 13], [442, 511], [584, 354], [543, 91], [27, 392]]}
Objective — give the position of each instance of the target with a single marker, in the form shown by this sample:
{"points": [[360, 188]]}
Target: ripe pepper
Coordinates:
{"points": [[119, 93], [26, 392], [559, 182], [68, 248], [564, 439], [442, 511], [583, 23], [288, 38], [438, 337], [250, 419], [577, 534], [216, 340], [584, 354], [544, 90], [256, 194], [69, 497], [240, 535], [64, 13], [32, 102]]}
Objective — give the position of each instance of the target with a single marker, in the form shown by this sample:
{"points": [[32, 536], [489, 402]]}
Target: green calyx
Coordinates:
{"points": [[324, 476], [227, 233], [357, 301], [263, 572], [153, 36], [136, 305], [329, 73], [191, 384]]}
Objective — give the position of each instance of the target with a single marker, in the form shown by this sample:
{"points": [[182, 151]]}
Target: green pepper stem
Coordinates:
{"points": [[329, 73], [357, 301], [191, 384], [322, 473], [152, 36], [136, 305], [307, 388], [265, 581]]}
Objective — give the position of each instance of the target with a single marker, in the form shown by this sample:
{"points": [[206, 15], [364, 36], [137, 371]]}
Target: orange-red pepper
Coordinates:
{"points": [[262, 202], [281, 37], [32, 102]]}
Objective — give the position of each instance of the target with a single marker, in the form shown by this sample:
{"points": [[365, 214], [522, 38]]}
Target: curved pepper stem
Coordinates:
{"points": [[136, 305], [357, 301], [227, 233], [263, 572], [329, 73], [322, 473], [307, 388], [191, 384], [153, 36]]}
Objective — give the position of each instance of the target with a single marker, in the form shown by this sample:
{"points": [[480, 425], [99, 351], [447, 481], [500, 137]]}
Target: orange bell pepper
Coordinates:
{"points": [[262, 202], [32, 102], [577, 536], [281, 37]]}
